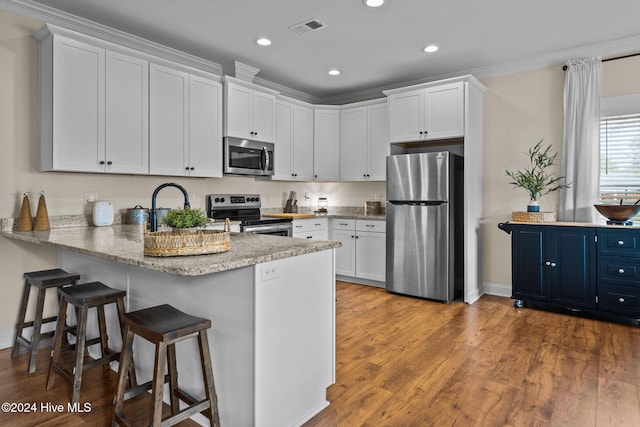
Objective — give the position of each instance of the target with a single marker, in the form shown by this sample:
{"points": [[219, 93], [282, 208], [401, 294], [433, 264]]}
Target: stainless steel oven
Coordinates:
{"points": [[246, 209], [248, 157], [278, 229]]}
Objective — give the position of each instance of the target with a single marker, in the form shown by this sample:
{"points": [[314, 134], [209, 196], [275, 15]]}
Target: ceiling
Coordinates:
{"points": [[373, 47]]}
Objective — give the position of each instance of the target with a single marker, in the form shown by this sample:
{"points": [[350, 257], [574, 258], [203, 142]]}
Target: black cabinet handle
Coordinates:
{"points": [[109, 162], [102, 162]]}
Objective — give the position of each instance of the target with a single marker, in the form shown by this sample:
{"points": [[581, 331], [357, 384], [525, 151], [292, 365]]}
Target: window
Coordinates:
{"points": [[620, 158]]}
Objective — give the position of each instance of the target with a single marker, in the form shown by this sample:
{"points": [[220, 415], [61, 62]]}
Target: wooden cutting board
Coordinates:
{"points": [[290, 215]]}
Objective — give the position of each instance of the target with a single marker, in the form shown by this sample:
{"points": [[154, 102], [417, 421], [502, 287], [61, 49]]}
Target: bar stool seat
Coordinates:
{"points": [[83, 297], [163, 326], [42, 280]]}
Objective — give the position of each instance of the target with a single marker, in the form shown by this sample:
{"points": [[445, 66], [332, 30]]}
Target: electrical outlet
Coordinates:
{"points": [[90, 197], [269, 272]]}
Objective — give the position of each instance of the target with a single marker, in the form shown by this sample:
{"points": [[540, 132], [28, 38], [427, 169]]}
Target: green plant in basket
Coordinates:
{"points": [[185, 218], [536, 179]]}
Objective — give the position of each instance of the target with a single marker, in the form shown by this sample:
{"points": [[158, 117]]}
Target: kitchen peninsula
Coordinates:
{"points": [[271, 301]]}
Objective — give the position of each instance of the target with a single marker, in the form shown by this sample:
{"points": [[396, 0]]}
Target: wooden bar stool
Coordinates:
{"points": [[42, 280], [164, 326], [83, 297]]}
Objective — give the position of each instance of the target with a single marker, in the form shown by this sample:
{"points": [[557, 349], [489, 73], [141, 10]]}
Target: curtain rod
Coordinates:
{"points": [[564, 67]]}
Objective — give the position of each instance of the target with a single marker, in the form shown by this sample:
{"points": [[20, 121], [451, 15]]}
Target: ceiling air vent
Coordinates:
{"points": [[308, 26]]}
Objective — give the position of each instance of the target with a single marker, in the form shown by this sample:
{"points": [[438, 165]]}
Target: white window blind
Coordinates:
{"points": [[620, 158]]}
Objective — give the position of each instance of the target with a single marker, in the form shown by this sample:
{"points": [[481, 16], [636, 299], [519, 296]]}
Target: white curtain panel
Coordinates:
{"points": [[581, 148]]}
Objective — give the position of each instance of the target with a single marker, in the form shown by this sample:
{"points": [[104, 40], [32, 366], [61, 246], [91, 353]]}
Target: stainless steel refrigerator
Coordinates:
{"points": [[424, 225]]}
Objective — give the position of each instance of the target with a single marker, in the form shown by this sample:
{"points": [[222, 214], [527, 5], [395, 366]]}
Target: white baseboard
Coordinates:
{"points": [[6, 336], [497, 289]]}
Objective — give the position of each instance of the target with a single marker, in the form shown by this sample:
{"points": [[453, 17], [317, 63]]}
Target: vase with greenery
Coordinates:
{"points": [[185, 218], [537, 179]]}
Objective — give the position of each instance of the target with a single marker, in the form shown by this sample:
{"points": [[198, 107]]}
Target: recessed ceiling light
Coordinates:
{"points": [[263, 41], [431, 48], [334, 72], [373, 3]]}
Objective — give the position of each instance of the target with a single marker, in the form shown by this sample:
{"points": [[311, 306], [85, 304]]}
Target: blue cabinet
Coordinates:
{"points": [[619, 270], [592, 268], [553, 264]]}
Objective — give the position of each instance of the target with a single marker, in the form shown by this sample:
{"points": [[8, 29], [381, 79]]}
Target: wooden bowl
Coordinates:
{"points": [[618, 212]]}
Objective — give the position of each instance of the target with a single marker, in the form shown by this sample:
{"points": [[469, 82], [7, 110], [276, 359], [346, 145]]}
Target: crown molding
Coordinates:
{"points": [[50, 15], [65, 20]]}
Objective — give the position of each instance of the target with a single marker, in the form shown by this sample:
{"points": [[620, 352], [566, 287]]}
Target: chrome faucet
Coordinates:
{"points": [[154, 218]]}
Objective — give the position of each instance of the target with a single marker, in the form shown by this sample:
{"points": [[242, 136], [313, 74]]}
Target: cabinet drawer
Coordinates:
{"points": [[619, 242], [371, 225], [622, 270], [305, 225], [343, 224], [619, 299]]}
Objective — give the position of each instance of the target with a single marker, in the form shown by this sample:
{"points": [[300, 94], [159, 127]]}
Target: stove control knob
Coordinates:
{"points": [[217, 199], [221, 199]]}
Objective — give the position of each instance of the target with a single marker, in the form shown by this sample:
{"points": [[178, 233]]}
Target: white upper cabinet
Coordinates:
{"points": [[249, 111], [434, 112], [364, 143], [93, 108], [326, 144], [184, 126], [294, 142], [104, 108], [126, 114]]}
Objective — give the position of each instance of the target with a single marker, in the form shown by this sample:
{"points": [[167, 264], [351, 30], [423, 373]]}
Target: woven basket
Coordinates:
{"points": [[533, 216], [179, 242]]}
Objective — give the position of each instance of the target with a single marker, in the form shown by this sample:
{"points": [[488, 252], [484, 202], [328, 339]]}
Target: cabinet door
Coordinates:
{"points": [[126, 114], [168, 121], [283, 162], [78, 106], [528, 270], [238, 114], [303, 143], [346, 254], [205, 127], [263, 116], [378, 142], [444, 111], [406, 116], [572, 265], [326, 145], [353, 144], [370, 255]]}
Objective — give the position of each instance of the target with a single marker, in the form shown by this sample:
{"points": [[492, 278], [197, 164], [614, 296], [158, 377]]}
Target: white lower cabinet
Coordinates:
{"points": [[363, 251], [311, 228]]}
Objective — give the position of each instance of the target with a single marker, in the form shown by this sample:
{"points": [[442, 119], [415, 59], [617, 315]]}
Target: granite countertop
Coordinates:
{"points": [[124, 243]]}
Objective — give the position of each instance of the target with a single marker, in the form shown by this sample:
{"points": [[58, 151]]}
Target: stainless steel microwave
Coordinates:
{"points": [[248, 157]]}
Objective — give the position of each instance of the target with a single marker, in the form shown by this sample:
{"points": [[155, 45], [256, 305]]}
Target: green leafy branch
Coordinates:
{"points": [[535, 179], [185, 218]]}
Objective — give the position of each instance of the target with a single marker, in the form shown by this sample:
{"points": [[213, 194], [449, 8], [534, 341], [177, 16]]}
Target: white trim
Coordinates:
{"points": [[620, 105], [497, 289], [53, 16]]}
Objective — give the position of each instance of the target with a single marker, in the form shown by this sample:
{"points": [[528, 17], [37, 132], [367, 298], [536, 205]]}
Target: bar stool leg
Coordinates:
{"points": [[80, 350], [21, 316], [102, 326], [133, 381], [37, 326], [126, 357], [158, 384], [173, 378], [57, 345], [207, 372]]}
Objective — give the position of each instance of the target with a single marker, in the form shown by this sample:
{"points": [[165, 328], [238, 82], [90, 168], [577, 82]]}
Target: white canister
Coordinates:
{"points": [[102, 213]]}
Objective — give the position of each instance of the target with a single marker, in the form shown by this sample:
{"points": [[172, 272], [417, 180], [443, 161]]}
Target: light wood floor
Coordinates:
{"points": [[405, 361]]}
